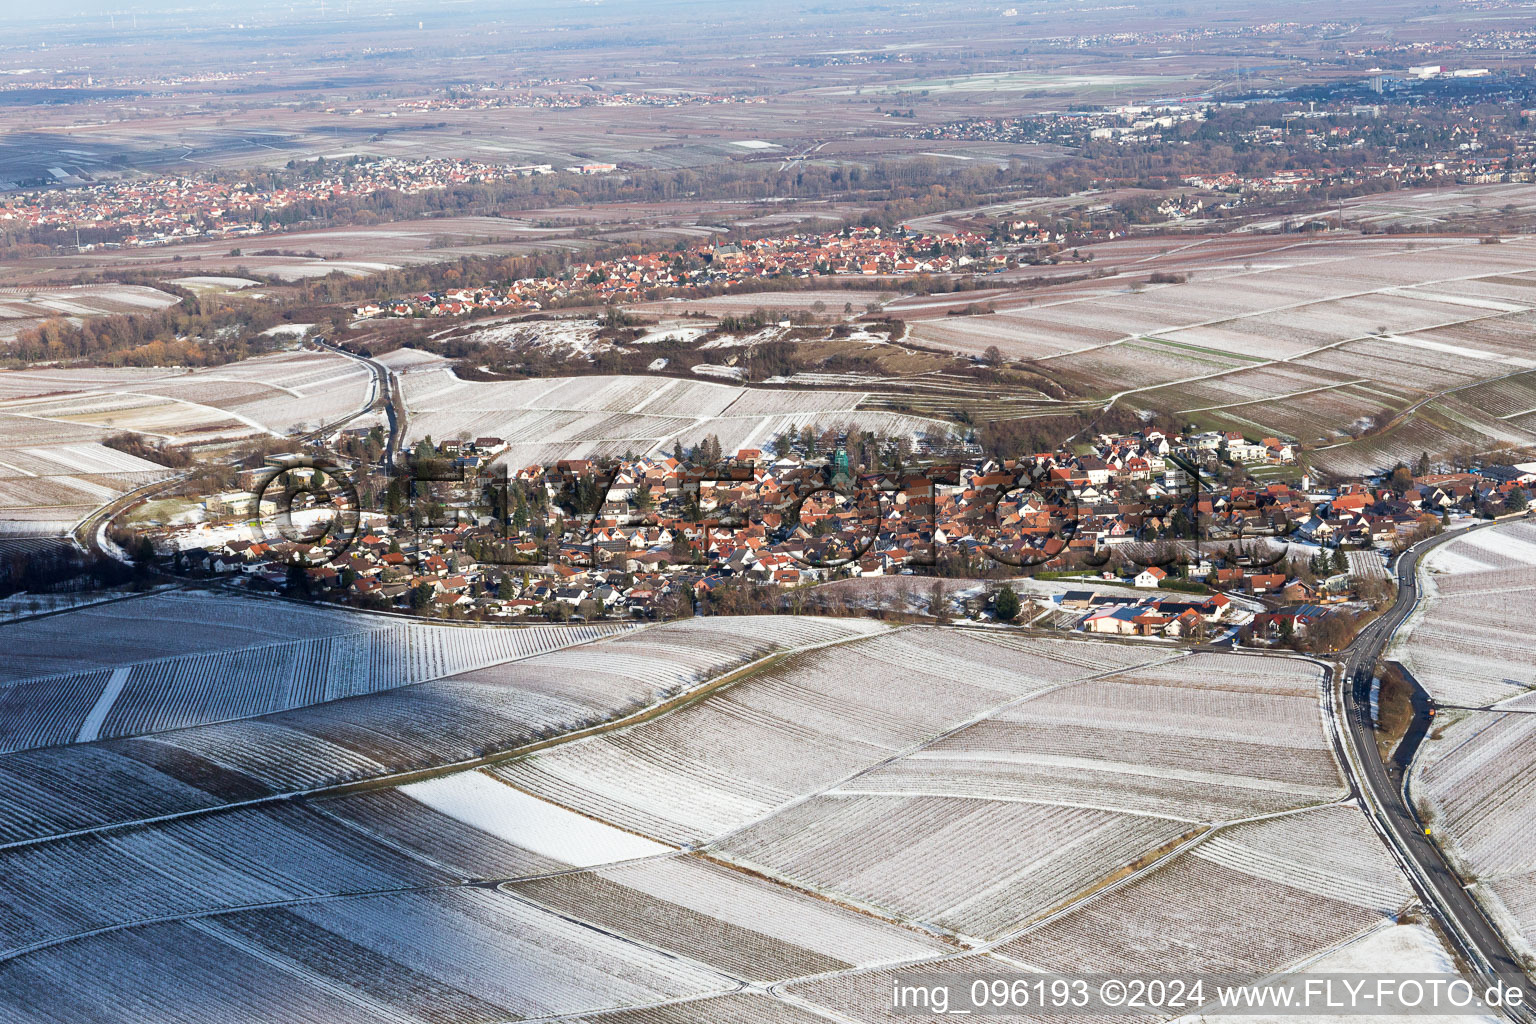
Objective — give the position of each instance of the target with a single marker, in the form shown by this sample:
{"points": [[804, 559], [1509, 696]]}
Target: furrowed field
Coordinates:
{"points": [[1475, 779], [549, 419], [54, 469], [863, 802], [1316, 340]]}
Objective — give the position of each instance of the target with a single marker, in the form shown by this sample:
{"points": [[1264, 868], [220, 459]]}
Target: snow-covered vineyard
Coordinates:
{"points": [[1474, 778], [407, 728], [873, 800], [1468, 642], [552, 418], [55, 470], [1306, 341], [332, 655], [53, 474], [272, 394], [1477, 782]]}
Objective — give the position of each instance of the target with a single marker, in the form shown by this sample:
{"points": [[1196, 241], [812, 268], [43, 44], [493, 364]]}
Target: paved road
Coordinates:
{"points": [[1439, 887], [88, 533], [385, 394]]}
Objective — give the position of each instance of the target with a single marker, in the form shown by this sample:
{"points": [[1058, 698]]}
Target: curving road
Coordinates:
{"points": [[1383, 794], [90, 532], [386, 392]]}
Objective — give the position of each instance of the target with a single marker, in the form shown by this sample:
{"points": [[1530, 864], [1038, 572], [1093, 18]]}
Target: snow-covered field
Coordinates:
{"points": [[729, 920], [1475, 779], [479, 801], [1375, 322], [1468, 641], [452, 954], [273, 394], [1205, 738], [548, 419], [1252, 899], [755, 835], [118, 670], [720, 763], [53, 466], [215, 283], [1475, 776], [964, 782], [969, 865], [21, 308], [60, 472], [826, 301], [450, 719]]}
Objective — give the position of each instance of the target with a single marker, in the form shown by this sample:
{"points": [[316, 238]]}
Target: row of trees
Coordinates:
{"points": [[193, 332]]}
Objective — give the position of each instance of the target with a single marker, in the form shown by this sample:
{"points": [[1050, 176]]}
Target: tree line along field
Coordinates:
{"points": [[547, 419], [23, 308], [1317, 340]]}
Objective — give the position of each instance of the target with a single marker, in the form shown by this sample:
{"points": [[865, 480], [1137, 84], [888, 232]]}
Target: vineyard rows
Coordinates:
{"points": [[45, 712], [199, 688], [273, 394], [1514, 900], [162, 625], [870, 992], [977, 867], [68, 479], [247, 856], [410, 826], [1376, 330], [1328, 852], [436, 957], [52, 380], [1238, 675], [803, 772], [1194, 739], [716, 764], [277, 852], [731, 921], [591, 417], [1200, 914], [409, 727], [1479, 782], [742, 1008], [1465, 644]]}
